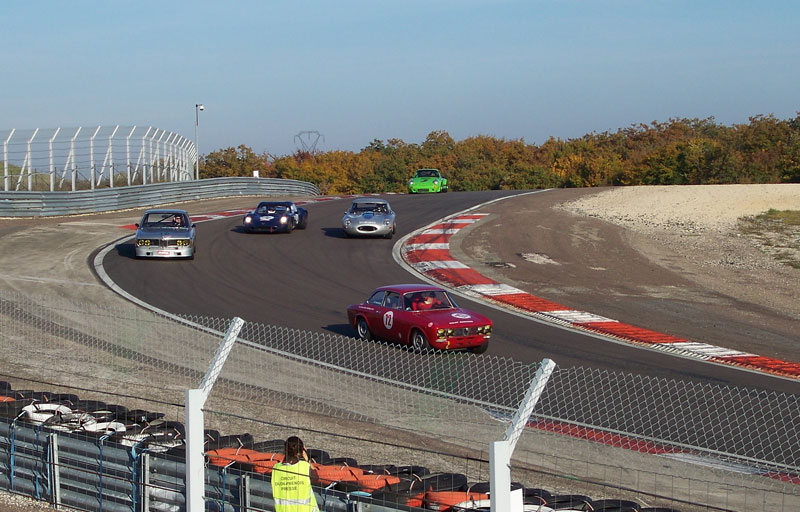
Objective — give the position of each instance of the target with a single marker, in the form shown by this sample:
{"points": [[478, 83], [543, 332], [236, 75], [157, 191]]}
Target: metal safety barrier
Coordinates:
{"points": [[49, 204]]}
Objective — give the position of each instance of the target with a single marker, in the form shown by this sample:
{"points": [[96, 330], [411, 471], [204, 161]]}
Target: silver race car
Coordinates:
{"points": [[369, 216], [165, 234]]}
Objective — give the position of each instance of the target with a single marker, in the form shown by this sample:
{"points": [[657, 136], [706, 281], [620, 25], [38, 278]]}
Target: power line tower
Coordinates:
{"points": [[308, 140]]}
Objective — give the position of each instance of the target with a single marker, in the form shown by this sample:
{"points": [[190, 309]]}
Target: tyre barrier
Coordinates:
{"points": [[142, 468]]}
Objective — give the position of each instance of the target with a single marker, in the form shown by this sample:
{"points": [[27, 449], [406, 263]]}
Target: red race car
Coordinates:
{"points": [[422, 316]]}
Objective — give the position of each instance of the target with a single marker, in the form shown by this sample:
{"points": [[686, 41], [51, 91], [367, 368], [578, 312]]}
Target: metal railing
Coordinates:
{"points": [[47, 204], [715, 445]]}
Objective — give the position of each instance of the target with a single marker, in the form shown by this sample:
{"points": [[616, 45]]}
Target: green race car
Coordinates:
{"points": [[427, 180]]}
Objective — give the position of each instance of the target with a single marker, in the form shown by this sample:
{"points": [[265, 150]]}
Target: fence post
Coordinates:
{"points": [[195, 399], [244, 493], [52, 164], [500, 451], [195, 467], [5, 160], [145, 469], [55, 479]]}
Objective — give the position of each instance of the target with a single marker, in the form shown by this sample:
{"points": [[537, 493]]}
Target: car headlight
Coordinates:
{"points": [[442, 333], [248, 219], [387, 223], [435, 182], [410, 182], [284, 219], [142, 242], [183, 243], [347, 223], [485, 329]]}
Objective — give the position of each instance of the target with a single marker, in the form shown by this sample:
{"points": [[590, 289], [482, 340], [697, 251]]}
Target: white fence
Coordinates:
{"points": [[90, 157]]}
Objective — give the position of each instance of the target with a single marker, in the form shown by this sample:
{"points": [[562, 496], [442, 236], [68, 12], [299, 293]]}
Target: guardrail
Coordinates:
{"points": [[49, 204]]}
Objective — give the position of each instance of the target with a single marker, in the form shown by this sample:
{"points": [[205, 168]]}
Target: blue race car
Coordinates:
{"points": [[275, 216]]}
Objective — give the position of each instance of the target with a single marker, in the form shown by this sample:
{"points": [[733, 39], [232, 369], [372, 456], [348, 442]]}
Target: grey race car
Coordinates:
{"points": [[165, 234], [369, 216]]}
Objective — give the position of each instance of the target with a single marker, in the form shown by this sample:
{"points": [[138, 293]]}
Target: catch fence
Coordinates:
{"points": [[700, 445], [59, 159]]}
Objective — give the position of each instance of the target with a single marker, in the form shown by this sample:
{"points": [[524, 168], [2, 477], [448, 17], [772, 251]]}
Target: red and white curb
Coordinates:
{"points": [[427, 251]]}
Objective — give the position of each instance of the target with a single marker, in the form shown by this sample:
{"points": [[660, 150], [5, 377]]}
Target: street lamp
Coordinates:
{"points": [[197, 108]]}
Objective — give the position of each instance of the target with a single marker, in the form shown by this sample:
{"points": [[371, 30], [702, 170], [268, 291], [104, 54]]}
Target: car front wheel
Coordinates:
{"points": [[419, 342], [363, 329]]}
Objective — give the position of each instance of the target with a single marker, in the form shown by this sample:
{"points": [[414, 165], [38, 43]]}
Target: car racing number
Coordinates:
{"points": [[388, 320]]}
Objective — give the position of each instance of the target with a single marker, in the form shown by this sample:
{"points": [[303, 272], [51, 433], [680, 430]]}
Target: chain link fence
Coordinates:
{"points": [[696, 445]]}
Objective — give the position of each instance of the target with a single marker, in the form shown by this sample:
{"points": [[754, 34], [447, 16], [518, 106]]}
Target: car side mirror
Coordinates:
{"points": [[193, 224], [137, 224]]}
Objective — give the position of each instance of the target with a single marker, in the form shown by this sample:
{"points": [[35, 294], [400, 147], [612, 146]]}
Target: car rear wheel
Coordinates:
{"points": [[362, 329], [419, 342]]}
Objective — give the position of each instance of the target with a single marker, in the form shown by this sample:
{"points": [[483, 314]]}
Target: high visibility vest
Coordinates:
{"points": [[291, 488]]}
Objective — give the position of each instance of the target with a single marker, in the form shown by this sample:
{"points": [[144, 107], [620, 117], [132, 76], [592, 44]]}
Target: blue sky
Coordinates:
{"points": [[358, 71]]}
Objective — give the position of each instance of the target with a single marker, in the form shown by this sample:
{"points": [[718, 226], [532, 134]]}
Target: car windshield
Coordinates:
{"points": [[359, 208], [270, 208], [165, 220], [433, 299], [427, 173]]}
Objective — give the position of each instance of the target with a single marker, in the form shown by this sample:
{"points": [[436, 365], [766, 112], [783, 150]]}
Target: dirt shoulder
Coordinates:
{"points": [[670, 259]]}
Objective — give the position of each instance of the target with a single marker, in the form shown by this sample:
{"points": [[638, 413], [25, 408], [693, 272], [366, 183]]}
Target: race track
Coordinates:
{"points": [[306, 279]]}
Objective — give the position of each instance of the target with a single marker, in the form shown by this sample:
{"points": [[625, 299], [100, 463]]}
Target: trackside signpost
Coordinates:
{"points": [[500, 496], [195, 400]]}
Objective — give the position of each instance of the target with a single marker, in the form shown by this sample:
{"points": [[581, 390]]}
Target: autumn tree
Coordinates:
{"points": [[241, 161], [674, 152]]}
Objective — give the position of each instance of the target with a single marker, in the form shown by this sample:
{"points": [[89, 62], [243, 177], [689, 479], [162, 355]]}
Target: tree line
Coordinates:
{"points": [[676, 152]]}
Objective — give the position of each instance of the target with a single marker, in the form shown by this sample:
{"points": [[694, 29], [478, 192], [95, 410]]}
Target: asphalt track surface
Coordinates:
{"points": [[306, 279]]}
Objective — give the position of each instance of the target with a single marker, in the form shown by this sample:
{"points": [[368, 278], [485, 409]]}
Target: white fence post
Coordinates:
{"points": [[52, 165], [500, 451], [195, 399], [195, 458], [5, 160]]}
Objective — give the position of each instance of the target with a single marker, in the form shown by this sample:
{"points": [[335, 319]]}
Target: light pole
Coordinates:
{"points": [[197, 108]]}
